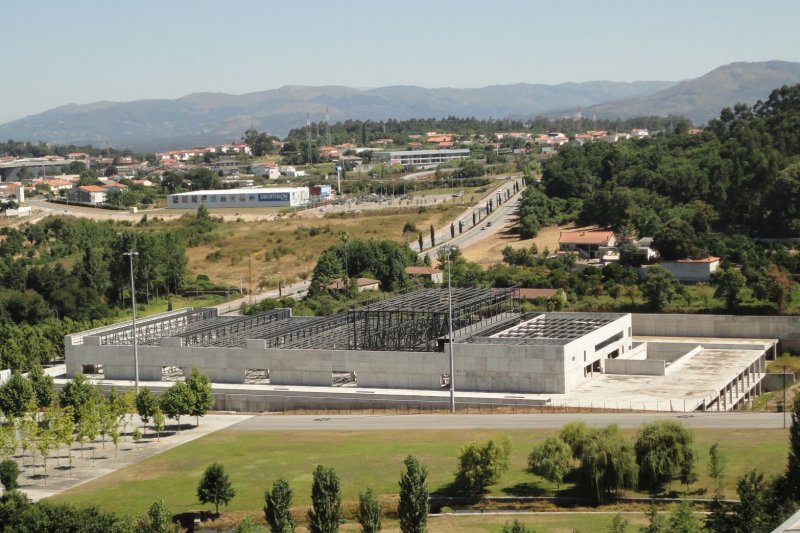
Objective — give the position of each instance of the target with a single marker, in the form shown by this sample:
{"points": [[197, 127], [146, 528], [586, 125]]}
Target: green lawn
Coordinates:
{"points": [[256, 459]]}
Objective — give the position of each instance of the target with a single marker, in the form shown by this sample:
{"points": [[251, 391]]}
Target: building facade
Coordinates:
{"points": [[420, 158], [240, 198]]}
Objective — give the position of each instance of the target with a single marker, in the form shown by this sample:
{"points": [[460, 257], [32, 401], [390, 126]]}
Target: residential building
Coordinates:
{"points": [[88, 194], [587, 244], [361, 284], [434, 275], [692, 270]]}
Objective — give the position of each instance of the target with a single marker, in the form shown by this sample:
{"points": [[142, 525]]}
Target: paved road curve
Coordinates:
{"points": [[412, 422]]}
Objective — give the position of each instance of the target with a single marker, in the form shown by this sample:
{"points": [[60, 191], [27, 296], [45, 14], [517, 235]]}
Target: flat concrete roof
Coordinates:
{"points": [[698, 379]]}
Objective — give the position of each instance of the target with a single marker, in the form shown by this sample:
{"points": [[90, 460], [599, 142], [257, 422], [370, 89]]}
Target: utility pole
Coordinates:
{"points": [[784, 397], [130, 255]]}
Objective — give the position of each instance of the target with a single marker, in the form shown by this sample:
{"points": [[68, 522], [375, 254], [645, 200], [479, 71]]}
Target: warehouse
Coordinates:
{"points": [[420, 158], [236, 198]]}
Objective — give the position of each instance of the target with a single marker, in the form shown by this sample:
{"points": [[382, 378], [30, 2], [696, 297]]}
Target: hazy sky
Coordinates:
{"points": [[58, 52]]}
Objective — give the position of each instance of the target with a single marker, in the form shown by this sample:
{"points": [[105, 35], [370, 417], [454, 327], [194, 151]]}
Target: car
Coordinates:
{"points": [[483, 227], [488, 224]]}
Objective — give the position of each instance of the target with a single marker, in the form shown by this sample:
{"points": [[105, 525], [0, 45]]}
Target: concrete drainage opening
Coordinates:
{"points": [[172, 373], [343, 378], [256, 376], [444, 381], [93, 371]]}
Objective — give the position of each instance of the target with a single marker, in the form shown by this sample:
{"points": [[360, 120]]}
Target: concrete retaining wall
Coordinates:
{"points": [[647, 367], [773, 382], [669, 351], [784, 328]]}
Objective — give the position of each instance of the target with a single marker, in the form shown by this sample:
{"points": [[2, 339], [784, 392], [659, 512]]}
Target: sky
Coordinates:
{"points": [[83, 51]]}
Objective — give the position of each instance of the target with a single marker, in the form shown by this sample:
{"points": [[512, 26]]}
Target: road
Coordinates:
{"points": [[295, 290], [501, 215], [538, 421]]}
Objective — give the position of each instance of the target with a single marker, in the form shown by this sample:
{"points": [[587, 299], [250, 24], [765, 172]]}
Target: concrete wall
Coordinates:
{"points": [[574, 360], [669, 351], [774, 382], [648, 367], [507, 368], [784, 328]]}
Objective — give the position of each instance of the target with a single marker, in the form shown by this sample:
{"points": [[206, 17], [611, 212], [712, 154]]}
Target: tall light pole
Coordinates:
{"points": [[130, 255], [450, 325]]}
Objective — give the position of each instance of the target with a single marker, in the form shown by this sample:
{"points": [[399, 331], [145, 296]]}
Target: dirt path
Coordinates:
{"points": [[490, 251]]}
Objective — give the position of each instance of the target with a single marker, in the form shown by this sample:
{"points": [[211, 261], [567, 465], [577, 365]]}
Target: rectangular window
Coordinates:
{"points": [[344, 378], [172, 373], [223, 199], [256, 376]]}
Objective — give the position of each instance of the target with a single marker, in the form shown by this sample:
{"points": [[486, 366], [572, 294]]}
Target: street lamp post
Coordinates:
{"points": [[450, 326], [130, 255]]}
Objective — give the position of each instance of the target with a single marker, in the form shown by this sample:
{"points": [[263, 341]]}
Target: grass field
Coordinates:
{"points": [[290, 246], [368, 459]]}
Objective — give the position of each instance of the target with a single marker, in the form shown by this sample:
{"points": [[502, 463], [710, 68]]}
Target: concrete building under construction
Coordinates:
{"points": [[401, 344]]}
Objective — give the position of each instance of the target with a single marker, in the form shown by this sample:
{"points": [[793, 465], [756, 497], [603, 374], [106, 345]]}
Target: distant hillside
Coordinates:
{"points": [[702, 98], [217, 117], [202, 118]]}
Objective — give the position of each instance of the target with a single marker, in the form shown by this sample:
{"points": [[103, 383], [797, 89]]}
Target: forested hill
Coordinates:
{"points": [[741, 176]]}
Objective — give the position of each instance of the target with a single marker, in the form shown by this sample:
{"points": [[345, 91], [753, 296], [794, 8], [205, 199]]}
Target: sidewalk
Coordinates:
{"points": [[61, 478]]}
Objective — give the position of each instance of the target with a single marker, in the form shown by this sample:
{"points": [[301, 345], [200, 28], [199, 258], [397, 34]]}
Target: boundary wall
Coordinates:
{"points": [[784, 328]]}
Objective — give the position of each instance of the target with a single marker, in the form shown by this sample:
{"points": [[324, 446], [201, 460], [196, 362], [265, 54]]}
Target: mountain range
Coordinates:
{"points": [[202, 118]]}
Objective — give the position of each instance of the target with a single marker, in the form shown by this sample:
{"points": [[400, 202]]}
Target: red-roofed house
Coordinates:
{"points": [[692, 270], [88, 194], [434, 275], [588, 244], [362, 284]]}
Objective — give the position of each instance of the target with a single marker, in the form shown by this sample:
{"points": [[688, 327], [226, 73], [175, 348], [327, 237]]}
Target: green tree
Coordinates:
{"points": [[730, 282], [656, 522], [278, 507], [43, 387], [576, 435], [433, 236], [369, 512], [202, 394], [88, 425], [16, 395], [8, 439], [65, 430], [793, 467], [618, 524], [177, 401], [215, 487], [752, 513], [660, 287], [551, 460], [682, 520], [146, 405], [158, 422], [662, 449], [675, 240], [77, 392], [9, 472], [158, 519], [412, 509], [482, 463], [608, 463], [325, 514]]}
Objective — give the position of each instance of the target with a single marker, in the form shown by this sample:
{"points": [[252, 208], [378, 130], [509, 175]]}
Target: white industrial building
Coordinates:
{"points": [[420, 158], [255, 197], [398, 348]]}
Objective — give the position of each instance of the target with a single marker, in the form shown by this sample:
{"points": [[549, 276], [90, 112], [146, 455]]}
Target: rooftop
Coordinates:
{"points": [[560, 327]]}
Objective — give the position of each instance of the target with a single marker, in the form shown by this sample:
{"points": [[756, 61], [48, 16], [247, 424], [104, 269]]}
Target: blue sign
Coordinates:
{"points": [[273, 197]]}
